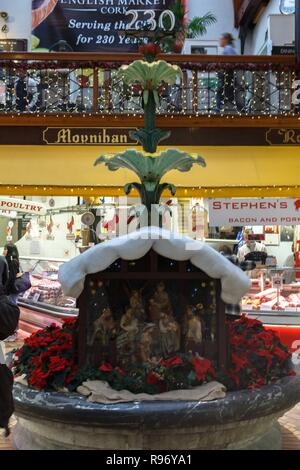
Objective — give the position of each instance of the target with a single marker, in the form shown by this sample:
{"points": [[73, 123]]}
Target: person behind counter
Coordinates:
{"points": [[225, 250], [290, 262], [250, 246]]}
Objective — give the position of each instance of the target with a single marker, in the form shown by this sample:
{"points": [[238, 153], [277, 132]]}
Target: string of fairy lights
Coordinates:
{"points": [[244, 90], [182, 192], [67, 89]]}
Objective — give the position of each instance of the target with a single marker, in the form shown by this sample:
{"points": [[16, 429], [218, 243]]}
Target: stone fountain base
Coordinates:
{"points": [[241, 420]]}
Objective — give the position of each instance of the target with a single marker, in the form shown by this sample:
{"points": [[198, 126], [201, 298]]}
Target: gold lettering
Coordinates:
{"points": [[93, 139], [76, 139], [105, 137], [84, 138], [123, 139], [63, 136], [289, 136]]}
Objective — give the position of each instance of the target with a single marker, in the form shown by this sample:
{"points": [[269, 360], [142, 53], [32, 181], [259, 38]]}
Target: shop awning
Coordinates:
{"points": [[231, 171]]}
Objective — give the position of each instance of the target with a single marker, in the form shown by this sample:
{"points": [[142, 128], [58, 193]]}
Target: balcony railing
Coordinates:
{"points": [[62, 83]]}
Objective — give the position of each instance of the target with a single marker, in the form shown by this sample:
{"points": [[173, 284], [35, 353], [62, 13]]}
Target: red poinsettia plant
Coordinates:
{"points": [[46, 358], [257, 358], [257, 355]]}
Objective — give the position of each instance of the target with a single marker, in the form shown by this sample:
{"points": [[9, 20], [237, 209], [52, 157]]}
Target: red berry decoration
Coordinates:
{"points": [[142, 49], [150, 49], [177, 48], [157, 50]]}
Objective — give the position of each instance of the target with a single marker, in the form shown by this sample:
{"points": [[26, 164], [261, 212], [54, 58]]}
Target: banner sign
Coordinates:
{"points": [[8, 214], [93, 25], [240, 212], [13, 45], [88, 136], [206, 136], [21, 205], [283, 136]]}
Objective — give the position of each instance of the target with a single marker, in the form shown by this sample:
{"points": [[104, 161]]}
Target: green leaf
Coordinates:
{"points": [[146, 96], [192, 377], [173, 159], [162, 187], [143, 72], [156, 98], [130, 186], [149, 139], [130, 159], [59, 379], [199, 24]]}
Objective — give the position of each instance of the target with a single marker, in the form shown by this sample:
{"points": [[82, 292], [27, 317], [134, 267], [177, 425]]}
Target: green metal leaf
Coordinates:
{"points": [[162, 187], [130, 159], [146, 96], [173, 159], [156, 98], [144, 72], [130, 186], [149, 139]]}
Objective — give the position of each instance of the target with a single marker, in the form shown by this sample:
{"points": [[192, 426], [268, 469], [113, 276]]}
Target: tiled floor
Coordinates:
{"points": [[290, 425]]}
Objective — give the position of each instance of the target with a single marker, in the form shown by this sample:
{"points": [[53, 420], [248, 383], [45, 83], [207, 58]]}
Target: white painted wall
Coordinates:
{"points": [[281, 252], [19, 21], [223, 10], [258, 37]]}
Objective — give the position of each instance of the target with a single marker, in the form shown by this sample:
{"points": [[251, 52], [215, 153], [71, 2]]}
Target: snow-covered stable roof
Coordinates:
{"points": [[235, 283]]}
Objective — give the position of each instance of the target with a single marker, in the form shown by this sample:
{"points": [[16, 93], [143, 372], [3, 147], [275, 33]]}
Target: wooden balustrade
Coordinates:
{"points": [[212, 87]]}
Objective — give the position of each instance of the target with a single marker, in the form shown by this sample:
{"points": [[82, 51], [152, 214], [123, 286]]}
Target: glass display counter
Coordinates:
{"points": [[45, 295], [274, 297]]}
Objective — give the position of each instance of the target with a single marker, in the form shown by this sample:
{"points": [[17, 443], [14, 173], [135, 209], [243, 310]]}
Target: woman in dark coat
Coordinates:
{"points": [[9, 318], [12, 258]]}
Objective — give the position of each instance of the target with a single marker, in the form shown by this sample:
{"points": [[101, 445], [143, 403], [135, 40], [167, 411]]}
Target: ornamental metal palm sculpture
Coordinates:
{"points": [[150, 171], [151, 77]]}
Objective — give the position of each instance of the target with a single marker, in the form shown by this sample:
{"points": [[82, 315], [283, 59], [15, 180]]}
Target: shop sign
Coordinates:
{"points": [[94, 25], [283, 136], [21, 205], [283, 50], [90, 136], [209, 136], [240, 212], [277, 281], [13, 45], [8, 214]]}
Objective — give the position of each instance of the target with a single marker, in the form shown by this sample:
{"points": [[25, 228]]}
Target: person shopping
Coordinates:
{"points": [[12, 258], [17, 281], [225, 90], [9, 318]]}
